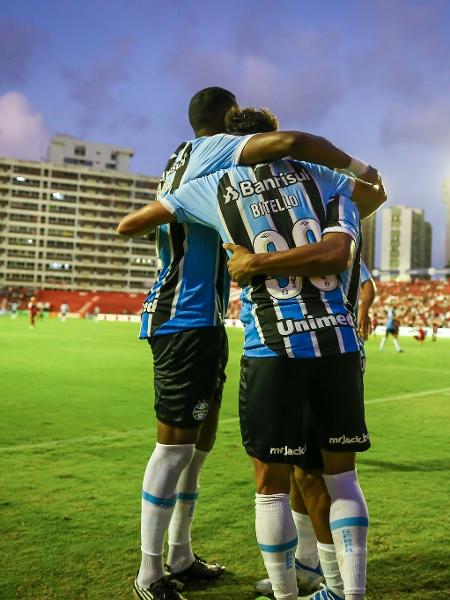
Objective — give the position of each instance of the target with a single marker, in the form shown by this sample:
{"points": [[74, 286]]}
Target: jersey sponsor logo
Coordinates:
{"points": [[230, 194], [287, 327], [275, 182], [200, 411], [285, 451], [247, 187], [343, 439]]}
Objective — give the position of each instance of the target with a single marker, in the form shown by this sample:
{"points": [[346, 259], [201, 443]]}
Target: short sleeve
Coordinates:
{"points": [[330, 182], [195, 201], [170, 203], [365, 274], [338, 183], [215, 152], [342, 216]]}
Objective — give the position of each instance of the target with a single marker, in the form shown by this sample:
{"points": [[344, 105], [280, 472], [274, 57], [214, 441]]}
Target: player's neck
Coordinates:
{"points": [[206, 132]]}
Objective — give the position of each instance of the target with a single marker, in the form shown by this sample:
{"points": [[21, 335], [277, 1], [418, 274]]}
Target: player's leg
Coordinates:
{"points": [[317, 503], [396, 342], [348, 521], [308, 475], [271, 430], [275, 529], [173, 451], [181, 556], [383, 340], [181, 404], [306, 552], [339, 416]]}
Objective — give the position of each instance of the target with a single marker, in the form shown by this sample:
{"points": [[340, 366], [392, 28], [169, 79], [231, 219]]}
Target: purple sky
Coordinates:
{"points": [[371, 76]]}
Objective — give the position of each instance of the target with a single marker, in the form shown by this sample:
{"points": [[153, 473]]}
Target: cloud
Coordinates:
{"points": [[408, 46], [426, 121], [23, 133], [94, 92], [303, 87], [18, 46]]}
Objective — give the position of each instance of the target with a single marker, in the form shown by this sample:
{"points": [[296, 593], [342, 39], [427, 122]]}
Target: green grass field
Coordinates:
{"points": [[77, 427]]}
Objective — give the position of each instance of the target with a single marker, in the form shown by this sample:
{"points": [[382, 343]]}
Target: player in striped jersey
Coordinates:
{"points": [[170, 314], [256, 204], [315, 556]]}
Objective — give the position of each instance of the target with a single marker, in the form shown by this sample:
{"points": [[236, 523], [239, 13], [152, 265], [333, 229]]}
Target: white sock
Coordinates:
{"points": [[180, 554], [330, 568], [277, 539], [396, 344], [348, 523], [383, 341], [306, 552], [158, 501]]}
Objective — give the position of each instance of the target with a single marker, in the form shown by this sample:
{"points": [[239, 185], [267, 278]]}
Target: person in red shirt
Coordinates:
{"points": [[421, 334], [33, 311]]}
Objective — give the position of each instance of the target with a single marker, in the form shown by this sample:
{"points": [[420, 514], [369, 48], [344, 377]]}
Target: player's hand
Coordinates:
{"points": [[364, 325], [240, 263], [371, 176]]}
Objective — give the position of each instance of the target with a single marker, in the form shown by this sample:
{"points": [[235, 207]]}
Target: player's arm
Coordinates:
{"points": [[331, 255], [140, 222], [367, 197], [264, 147], [367, 295]]}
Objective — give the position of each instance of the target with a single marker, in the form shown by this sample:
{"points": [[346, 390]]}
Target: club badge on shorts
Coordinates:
{"points": [[200, 411]]}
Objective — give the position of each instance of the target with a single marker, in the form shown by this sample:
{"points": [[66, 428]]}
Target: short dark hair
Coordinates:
{"points": [[208, 107], [241, 121]]}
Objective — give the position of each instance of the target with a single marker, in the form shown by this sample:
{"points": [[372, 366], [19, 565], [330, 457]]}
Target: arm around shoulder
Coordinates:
{"points": [[144, 220]]}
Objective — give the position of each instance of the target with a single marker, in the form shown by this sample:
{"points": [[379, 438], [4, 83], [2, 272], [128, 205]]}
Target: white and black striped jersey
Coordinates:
{"points": [[277, 206], [192, 287]]}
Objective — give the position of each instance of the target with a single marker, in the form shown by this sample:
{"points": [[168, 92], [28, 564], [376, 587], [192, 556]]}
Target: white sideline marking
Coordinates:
{"points": [[117, 435], [123, 434], [408, 396]]}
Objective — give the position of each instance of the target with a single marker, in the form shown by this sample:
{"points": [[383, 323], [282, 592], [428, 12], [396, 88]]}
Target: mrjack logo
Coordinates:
{"points": [[343, 439], [285, 451]]}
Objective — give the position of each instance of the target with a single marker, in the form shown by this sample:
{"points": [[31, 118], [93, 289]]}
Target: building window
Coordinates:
{"points": [[80, 151]]}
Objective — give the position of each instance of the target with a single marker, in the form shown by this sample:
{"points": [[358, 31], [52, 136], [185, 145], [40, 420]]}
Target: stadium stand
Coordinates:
{"points": [[422, 302], [419, 303], [82, 303]]}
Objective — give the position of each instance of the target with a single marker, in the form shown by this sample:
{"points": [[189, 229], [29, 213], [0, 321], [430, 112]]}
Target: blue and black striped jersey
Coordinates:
{"points": [[354, 278], [192, 286], [277, 206], [365, 274]]}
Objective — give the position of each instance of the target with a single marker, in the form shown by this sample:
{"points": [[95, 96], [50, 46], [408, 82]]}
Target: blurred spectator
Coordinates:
{"points": [[422, 303]]}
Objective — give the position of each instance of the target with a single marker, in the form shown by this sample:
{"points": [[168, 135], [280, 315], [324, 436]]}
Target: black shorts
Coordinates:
{"points": [[392, 331], [189, 373], [286, 405]]}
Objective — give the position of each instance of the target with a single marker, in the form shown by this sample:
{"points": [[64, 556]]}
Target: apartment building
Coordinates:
{"points": [[58, 227], [405, 243], [368, 230]]}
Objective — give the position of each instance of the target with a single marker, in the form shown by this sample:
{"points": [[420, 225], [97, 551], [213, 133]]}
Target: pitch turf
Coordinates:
{"points": [[76, 429]]}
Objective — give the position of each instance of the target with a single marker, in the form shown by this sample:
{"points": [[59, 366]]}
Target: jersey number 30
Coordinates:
{"points": [[305, 231]]}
